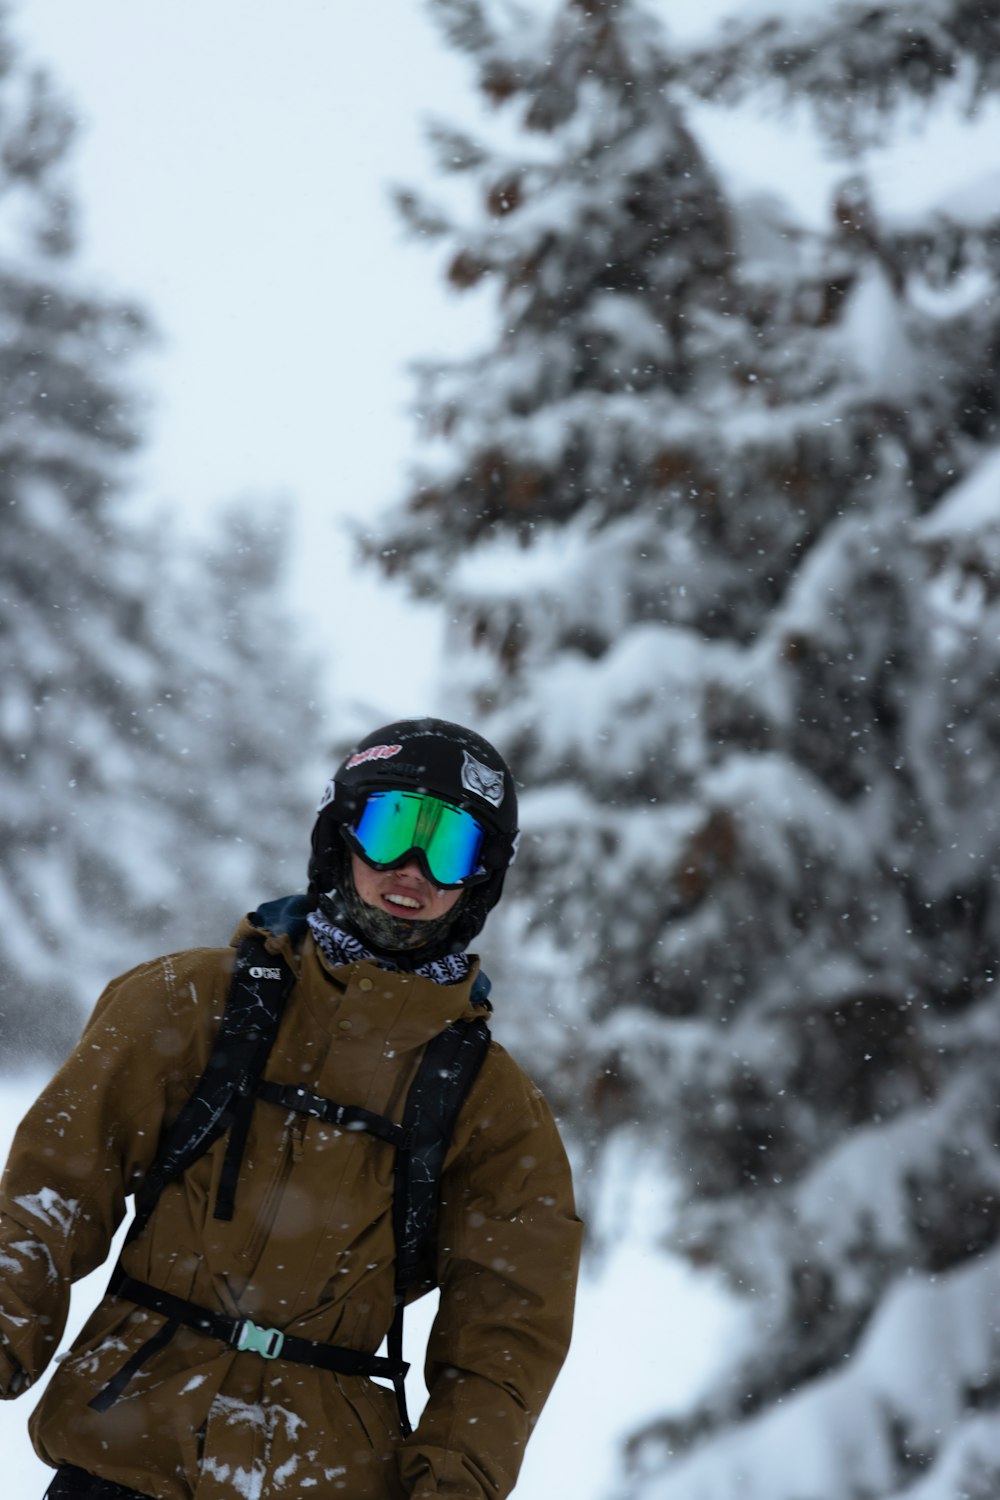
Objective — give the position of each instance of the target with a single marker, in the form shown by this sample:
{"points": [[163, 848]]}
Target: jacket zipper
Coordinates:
{"points": [[291, 1152]]}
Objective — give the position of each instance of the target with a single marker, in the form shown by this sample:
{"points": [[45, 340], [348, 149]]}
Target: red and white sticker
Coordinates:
{"points": [[374, 752]]}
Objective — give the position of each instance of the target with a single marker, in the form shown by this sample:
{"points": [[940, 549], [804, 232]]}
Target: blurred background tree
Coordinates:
{"points": [[715, 519], [156, 723]]}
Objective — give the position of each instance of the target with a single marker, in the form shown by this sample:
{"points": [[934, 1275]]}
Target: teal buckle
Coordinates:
{"points": [[267, 1342]]}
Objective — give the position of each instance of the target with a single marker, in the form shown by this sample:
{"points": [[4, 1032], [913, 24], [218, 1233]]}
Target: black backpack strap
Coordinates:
{"points": [[260, 986], [450, 1063], [240, 1119], [449, 1066]]}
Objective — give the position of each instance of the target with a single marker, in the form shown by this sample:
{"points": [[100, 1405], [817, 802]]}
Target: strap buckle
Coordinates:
{"points": [[307, 1104], [267, 1342]]}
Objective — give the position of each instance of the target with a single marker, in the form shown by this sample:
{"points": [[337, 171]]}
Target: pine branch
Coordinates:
{"points": [[419, 215], [40, 138], [454, 149], [886, 52], [463, 24]]}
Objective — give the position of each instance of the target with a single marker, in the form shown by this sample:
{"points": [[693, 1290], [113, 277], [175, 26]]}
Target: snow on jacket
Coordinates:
{"points": [[309, 1250]]}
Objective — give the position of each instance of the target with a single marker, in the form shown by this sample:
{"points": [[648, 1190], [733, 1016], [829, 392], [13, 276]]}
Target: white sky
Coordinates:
{"points": [[232, 172]]}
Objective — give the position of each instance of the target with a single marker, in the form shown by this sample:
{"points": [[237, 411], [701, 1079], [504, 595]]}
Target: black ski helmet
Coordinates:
{"points": [[427, 755]]}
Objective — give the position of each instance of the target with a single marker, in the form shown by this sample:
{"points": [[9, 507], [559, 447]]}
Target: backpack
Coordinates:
{"points": [[224, 1099]]}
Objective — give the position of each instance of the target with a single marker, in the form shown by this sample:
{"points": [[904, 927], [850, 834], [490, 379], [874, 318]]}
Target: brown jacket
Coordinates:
{"points": [[310, 1250]]}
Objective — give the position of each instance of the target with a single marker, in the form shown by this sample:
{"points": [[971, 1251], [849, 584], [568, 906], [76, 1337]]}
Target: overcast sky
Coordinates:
{"points": [[232, 169]]}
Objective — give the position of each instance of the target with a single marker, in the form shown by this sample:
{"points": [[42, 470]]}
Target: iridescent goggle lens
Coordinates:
{"points": [[394, 824]]}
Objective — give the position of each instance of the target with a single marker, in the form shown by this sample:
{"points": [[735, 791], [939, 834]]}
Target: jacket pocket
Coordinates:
{"points": [[378, 1413], [370, 1408]]}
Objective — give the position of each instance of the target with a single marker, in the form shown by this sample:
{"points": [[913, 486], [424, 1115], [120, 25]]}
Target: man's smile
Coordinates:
{"points": [[404, 892], [396, 899]]}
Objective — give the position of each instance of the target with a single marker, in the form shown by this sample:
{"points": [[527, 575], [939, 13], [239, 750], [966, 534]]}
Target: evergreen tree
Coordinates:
{"points": [[715, 522], [147, 784]]}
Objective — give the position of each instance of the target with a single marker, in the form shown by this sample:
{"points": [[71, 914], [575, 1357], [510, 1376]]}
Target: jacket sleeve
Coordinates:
{"points": [[509, 1246], [80, 1149]]}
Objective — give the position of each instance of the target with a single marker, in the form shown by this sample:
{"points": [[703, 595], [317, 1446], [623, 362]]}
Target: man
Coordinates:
{"points": [[233, 1356]]}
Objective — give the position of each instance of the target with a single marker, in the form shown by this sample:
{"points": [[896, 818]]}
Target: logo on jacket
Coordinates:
{"points": [[265, 973], [482, 780]]}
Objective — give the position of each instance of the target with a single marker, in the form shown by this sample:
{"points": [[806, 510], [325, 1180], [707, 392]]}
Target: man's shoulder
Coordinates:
{"points": [[505, 1116], [183, 982], [180, 967], [504, 1077]]}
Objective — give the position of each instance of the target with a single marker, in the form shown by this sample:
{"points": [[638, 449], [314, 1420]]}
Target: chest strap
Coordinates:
{"points": [[300, 1101], [240, 1334], [295, 1100]]}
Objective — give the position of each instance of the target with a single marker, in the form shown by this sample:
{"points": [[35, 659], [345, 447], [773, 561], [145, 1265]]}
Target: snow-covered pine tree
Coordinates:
{"points": [[153, 715], [712, 518]]}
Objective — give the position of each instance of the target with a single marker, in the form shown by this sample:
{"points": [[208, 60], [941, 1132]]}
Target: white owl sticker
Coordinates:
{"points": [[482, 780]]}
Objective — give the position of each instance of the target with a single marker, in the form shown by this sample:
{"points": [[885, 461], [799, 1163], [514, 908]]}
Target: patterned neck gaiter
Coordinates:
{"points": [[340, 947], [399, 940]]}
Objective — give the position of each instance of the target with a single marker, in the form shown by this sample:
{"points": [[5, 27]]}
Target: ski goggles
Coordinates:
{"points": [[394, 825]]}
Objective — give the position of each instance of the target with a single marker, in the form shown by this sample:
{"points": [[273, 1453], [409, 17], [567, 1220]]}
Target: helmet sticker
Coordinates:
{"points": [[482, 780], [329, 792], [374, 752]]}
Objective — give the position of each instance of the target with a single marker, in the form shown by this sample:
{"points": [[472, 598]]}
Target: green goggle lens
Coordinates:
{"points": [[394, 824]]}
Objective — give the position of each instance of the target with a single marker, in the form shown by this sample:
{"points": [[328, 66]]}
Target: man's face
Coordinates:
{"points": [[405, 892]]}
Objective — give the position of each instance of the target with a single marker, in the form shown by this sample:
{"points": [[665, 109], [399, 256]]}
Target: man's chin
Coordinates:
{"points": [[410, 932], [390, 930]]}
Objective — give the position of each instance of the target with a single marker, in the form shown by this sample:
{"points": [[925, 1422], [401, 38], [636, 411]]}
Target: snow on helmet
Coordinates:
{"points": [[431, 756]]}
